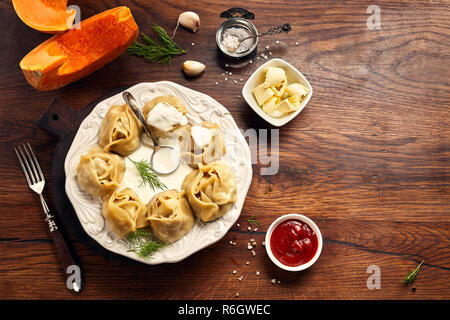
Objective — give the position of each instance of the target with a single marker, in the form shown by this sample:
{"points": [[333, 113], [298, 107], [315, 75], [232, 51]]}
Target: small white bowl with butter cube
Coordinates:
{"points": [[277, 92]]}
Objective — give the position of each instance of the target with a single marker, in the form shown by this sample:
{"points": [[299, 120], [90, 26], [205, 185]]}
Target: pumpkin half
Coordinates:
{"points": [[65, 58], [50, 16]]}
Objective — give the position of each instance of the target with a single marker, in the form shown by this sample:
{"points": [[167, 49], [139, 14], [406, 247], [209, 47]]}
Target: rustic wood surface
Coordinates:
{"points": [[368, 160]]}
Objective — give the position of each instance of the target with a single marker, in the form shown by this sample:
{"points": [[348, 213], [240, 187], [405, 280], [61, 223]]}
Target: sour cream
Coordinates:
{"points": [[165, 117], [166, 160], [201, 136]]}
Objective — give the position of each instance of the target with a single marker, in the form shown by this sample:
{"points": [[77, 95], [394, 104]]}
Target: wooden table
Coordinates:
{"points": [[368, 160]]}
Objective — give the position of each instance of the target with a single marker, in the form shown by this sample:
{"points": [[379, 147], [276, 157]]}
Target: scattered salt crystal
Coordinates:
{"points": [[251, 240], [223, 74], [277, 42], [263, 243], [234, 271], [217, 83], [254, 243], [231, 242], [241, 79], [257, 273], [253, 253], [226, 65], [274, 281], [278, 281], [193, 44], [247, 263], [251, 61], [240, 278], [238, 225], [230, 73], [296, 43], [267, 47], [235, 81], [226, 79], [237, 294], [270, 53], [249, 246], [256, 229], [249, 229]]}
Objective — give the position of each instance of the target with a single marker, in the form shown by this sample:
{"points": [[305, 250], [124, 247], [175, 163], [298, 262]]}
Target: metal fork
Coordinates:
{"points": [[36, 182]]}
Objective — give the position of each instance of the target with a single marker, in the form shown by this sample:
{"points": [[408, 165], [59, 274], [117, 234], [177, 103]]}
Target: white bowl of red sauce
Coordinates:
{"points": [[293, 242]]}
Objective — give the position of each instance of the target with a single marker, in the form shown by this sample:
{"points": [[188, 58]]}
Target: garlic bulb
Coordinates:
{"points": [[189, 20], [193, 68]]}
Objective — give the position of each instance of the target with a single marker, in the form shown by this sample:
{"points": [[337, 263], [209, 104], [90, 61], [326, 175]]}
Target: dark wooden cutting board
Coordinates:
{"points": [[63, 122]]}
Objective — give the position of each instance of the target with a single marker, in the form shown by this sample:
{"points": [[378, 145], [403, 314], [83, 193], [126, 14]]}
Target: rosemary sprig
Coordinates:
{"points": [[143, 243], [253, 220], [148, 175], [410, 277], [153, 52]]}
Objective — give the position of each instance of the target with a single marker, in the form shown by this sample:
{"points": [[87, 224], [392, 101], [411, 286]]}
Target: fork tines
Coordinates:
{"points": [[29, 164]]}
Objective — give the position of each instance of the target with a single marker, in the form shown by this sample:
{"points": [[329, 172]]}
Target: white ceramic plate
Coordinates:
{"points": [[257, 77], [201, 107]]}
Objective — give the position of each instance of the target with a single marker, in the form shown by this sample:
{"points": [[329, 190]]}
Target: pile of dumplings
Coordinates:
{"points": [[275, 96], [206, 193]]}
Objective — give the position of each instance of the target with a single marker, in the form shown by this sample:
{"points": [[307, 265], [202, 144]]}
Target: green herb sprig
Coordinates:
{"points": [[253, 220], [410, 277], [161, 53], [143, 243], [148, 175]]}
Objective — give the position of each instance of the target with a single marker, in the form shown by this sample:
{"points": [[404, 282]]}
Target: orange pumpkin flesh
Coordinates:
{"points": [[65, 58], [50, 16]]}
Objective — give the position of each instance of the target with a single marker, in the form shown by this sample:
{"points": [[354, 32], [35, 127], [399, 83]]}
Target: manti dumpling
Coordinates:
{"points": [[124, 212], [120, 131], [100, 172], [170, 216], [165, 115], [210, 190], [204, 144]]}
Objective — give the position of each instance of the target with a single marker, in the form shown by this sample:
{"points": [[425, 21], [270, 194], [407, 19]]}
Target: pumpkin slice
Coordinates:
{"points": [[50, 16], [65, 58]]}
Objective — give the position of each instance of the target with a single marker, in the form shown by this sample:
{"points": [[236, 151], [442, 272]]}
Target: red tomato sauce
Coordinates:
{"points": [[293, 243]]}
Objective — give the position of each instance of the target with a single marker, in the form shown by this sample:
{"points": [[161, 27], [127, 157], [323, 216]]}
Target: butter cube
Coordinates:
{"points": [[289, 105], [262, 94], [270, 105], [274, 77], [296, 89]]}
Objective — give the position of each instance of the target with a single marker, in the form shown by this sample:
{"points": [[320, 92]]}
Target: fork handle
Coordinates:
{"points": [[72, 271]]}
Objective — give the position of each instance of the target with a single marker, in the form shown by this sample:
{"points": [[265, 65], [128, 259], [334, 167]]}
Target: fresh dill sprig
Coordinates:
{"points": [[148, 175], [410, 277], [253, 220], [143, 243], [153, 52]]}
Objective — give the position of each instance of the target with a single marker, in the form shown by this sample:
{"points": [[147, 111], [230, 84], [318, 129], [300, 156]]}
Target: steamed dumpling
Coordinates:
{"points": [[210, 190], [169, 215], [204, 144], [100, 172], [165, 115], [124, 211], [120, 131]]}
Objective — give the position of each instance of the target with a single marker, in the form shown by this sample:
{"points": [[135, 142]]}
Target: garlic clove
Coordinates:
{"points": [[193, 68], [189, 20]]}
